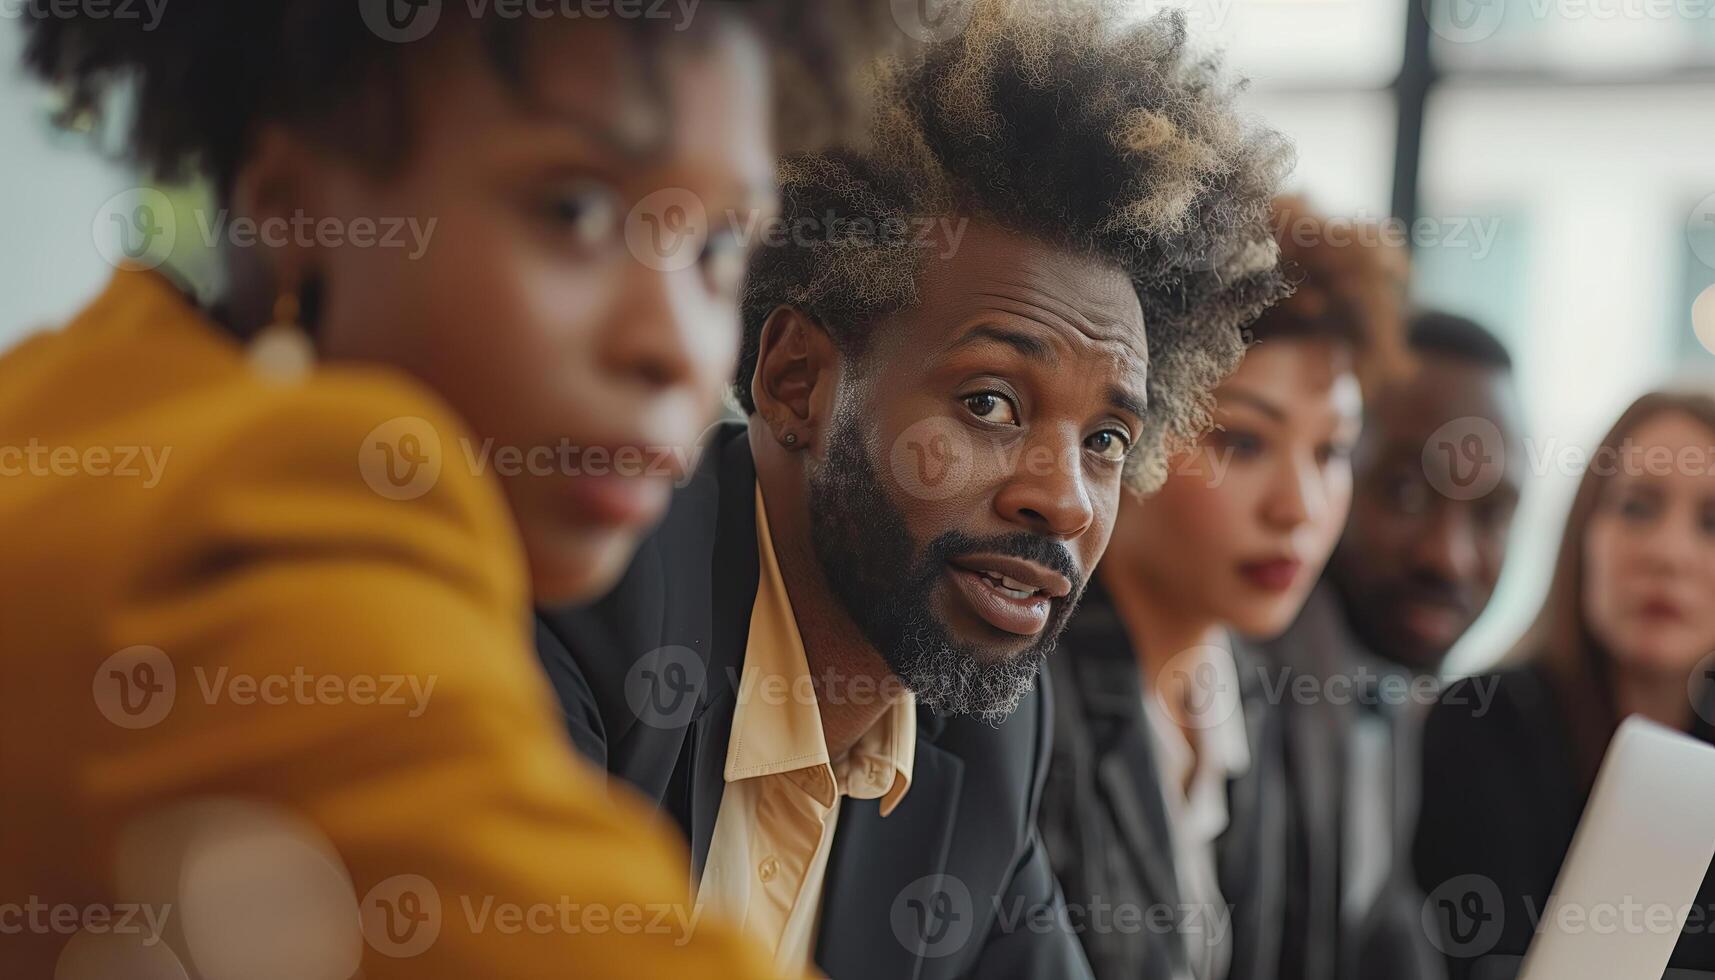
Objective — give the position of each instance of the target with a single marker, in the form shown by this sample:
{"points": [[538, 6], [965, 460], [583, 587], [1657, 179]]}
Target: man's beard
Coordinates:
{"points": [[886, 585]]}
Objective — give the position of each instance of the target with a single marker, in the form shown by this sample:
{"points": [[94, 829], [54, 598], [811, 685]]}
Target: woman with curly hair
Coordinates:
{"points": [[1168, 799], [373, 459]]}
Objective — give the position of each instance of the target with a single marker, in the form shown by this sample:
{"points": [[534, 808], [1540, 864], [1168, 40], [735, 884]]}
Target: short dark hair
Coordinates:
{"points": [[1451, 335], [211, 71], [1113, 141]]}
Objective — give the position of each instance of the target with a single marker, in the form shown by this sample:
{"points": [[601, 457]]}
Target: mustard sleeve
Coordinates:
{"points": [[356, 662]]}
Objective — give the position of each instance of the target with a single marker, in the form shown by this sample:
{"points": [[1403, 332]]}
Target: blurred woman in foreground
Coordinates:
{"points": [[293, 669], [1627, 628]]}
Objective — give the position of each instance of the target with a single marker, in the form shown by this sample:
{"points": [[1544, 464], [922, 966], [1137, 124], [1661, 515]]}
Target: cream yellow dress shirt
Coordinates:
{"points": [[769, 853]]}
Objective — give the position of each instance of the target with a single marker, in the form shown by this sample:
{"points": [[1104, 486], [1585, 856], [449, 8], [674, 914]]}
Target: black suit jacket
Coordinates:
{"points": [[952, 883], [1106, 825]]}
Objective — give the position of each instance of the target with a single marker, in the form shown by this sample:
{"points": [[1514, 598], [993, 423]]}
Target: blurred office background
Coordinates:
{"points": [[1556, 158]]}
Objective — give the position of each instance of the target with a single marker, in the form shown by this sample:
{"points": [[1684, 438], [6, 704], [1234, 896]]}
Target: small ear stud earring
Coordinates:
{"points": [[791, 438]]}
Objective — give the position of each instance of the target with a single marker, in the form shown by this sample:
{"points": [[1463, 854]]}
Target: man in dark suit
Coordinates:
{"points": [[1437, 476], [823, 665]]}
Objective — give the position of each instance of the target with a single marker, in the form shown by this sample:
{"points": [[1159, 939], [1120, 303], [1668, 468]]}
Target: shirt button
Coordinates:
{"points": [[872, 769], [768, 869]]}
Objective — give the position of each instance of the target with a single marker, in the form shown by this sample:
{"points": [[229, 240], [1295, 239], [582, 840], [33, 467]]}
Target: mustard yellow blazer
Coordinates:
{"points": [[261, 699]]}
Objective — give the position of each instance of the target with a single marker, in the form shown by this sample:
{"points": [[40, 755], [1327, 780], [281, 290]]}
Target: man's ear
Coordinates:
{"points": [[797, 371]]}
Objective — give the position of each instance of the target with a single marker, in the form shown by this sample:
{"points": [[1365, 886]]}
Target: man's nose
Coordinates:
{"points": [[1048, 489]]}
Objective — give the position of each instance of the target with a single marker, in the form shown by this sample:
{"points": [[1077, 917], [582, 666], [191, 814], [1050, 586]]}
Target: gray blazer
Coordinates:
{"points": [[1382, 935], [1106, 829]]}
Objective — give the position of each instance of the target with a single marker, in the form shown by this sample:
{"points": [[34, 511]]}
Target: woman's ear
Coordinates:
{"points": [[797, 371], [277, 190]]}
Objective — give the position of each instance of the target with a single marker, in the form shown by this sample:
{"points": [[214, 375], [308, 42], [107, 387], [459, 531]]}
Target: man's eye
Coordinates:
{"points": [[588, 213], [1110, 445], [1409, 496], [992, 407]]}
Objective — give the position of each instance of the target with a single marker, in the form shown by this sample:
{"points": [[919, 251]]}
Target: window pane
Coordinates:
{"points": [[1578, 37], [1345, 143], [51, 202], [1293, 43]]}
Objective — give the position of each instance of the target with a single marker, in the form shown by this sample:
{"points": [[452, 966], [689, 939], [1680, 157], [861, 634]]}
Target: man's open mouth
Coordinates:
{"points": [[1010, 594]]}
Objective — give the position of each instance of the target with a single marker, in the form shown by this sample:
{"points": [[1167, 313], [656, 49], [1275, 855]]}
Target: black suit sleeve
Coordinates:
{"points": [[1472, 830], [577, 699], [1032, 938]]}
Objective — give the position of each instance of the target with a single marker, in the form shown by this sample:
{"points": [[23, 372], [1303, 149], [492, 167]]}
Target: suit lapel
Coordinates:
{"points": [[733, 572], [1110, 689], [1316, 773], [705, 766], [1132, 783], [875, 859]]}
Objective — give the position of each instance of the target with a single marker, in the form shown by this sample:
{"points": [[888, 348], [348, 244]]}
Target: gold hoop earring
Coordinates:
{"points": [[282, 351]]}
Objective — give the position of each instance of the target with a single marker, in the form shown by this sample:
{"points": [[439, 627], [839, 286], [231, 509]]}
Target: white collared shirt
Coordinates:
{"points": [[1196, 801]]}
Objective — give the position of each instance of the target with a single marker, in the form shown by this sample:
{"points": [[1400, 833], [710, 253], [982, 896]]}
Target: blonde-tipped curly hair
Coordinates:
{"points": [[1109, 139]]}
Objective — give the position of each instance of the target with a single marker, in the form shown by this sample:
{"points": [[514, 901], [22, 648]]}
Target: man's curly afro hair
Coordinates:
{"points": [[1109, 139]]}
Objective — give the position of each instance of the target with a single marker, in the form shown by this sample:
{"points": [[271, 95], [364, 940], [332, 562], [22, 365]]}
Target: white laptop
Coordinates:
{"points": [[1636, 863]]}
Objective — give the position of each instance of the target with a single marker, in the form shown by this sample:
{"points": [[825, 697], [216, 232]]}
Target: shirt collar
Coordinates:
{"points": [[777, 726], [1215, 712]]}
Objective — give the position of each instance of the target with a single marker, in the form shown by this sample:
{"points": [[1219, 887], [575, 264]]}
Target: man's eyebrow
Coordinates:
{"points": [[1026, 344], [1125, 401]]}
